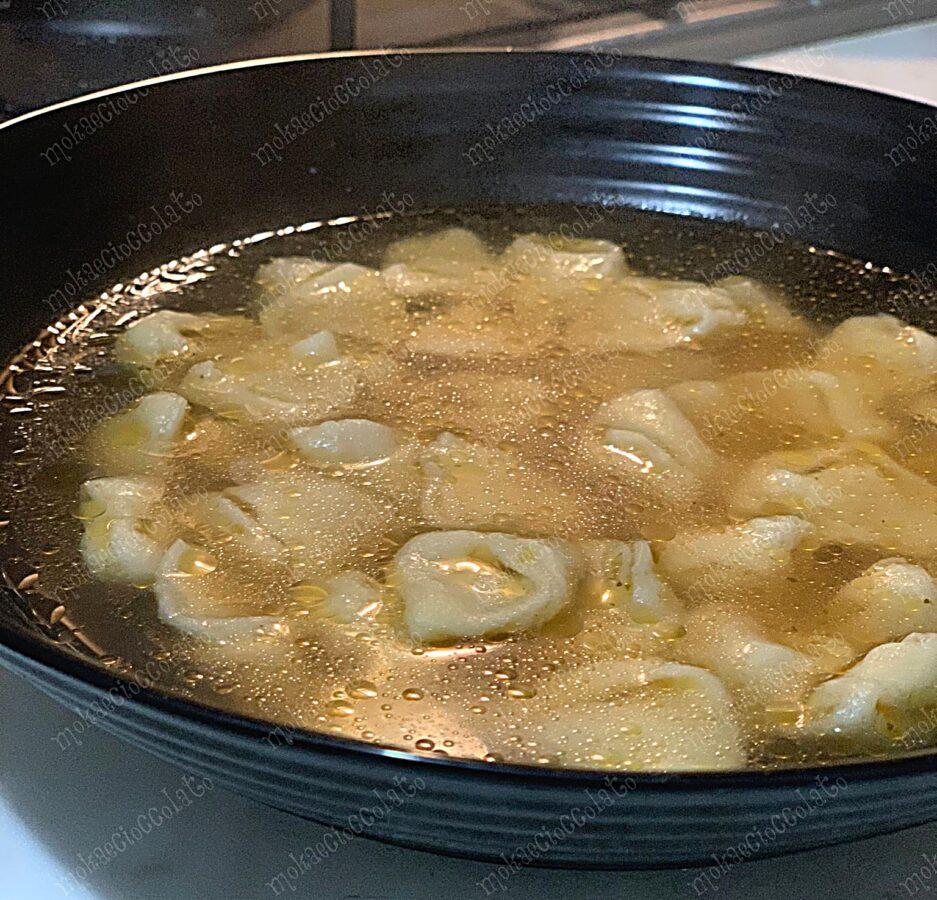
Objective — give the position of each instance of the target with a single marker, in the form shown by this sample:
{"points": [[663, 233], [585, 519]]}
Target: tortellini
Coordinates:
{"points": [[828, 404], [166, 335], [626, 578], [311, 524], [283, 275], [347, 598], [319, 521], [141, 439], [692, 310], [802, 400], [302, 295], [306, 382], [123, 540], [118, 497], [558, 259], [643, 714], [161, 334], [646, 438], [464, 584], [712, 561], [351, 596], [217, 517], [647, 315], [208, 595], [346, 442], [644, 523], [470, 331], [852, 494], [762, 305], [891, 357], [198, 598], [452, 263], [764, 672], [316, 349], [888, 602], [882, 700], [481, 405], [475, 486]]}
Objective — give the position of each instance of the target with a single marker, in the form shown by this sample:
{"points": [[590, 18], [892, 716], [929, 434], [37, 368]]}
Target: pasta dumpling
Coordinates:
{"points": [[468, 330], [886, 603], [452, 263], [319, 521], [219, 518], [303, 295], [346, 598], [509, 499], [213, 449], [784, 400], [645, 437], [890, 356], [884, 698], [122, 540], [284, 272], [196, 596], [625, 577], [318, 348], [167, 334], [763, 671], [303, 277], [307, 382], [710, 561], [639, 714], [559, 259], [647, 315], [345, 442], [762, 305], [852, 494], [821, 403], [834, 405], [481, 404], [116, 497], [140, 440], [282, 275], [464, 584]]}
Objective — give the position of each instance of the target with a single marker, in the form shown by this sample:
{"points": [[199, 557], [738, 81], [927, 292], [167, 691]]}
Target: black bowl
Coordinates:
{"points": [[268, 143]]}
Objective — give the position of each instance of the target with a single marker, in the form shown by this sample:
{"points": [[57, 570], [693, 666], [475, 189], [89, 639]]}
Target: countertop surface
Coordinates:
{"points": [[58, 808]]}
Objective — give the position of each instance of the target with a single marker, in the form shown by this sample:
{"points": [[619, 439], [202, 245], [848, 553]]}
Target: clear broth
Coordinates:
{"points": [[466, 700]]}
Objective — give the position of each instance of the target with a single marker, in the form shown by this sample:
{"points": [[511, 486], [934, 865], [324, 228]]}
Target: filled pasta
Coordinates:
{"points": [[644, 714]]}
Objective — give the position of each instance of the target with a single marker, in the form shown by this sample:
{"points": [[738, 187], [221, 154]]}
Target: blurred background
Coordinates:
{"points": [[53, 49]]}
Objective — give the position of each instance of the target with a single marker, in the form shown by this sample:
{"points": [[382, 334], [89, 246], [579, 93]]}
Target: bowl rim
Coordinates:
{"points": [[678, 67], [16, 641]]}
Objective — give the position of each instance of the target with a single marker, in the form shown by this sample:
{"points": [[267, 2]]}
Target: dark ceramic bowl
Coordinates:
{"points": [[456, 129]]}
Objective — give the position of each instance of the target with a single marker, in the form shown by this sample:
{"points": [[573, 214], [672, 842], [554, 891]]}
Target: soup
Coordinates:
{"points": [[500, 492]]}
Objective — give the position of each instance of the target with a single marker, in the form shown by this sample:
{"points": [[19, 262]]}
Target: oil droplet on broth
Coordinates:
{"points": [[308, 594], [521, 693], [195, 561], [362, 690], [340, 708]]}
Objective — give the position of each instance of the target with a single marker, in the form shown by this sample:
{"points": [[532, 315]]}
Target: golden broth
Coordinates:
{"points": [[495, 696]]}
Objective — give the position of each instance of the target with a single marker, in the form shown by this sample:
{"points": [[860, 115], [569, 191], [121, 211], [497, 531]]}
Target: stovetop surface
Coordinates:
{"points": [[54, 49]]}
